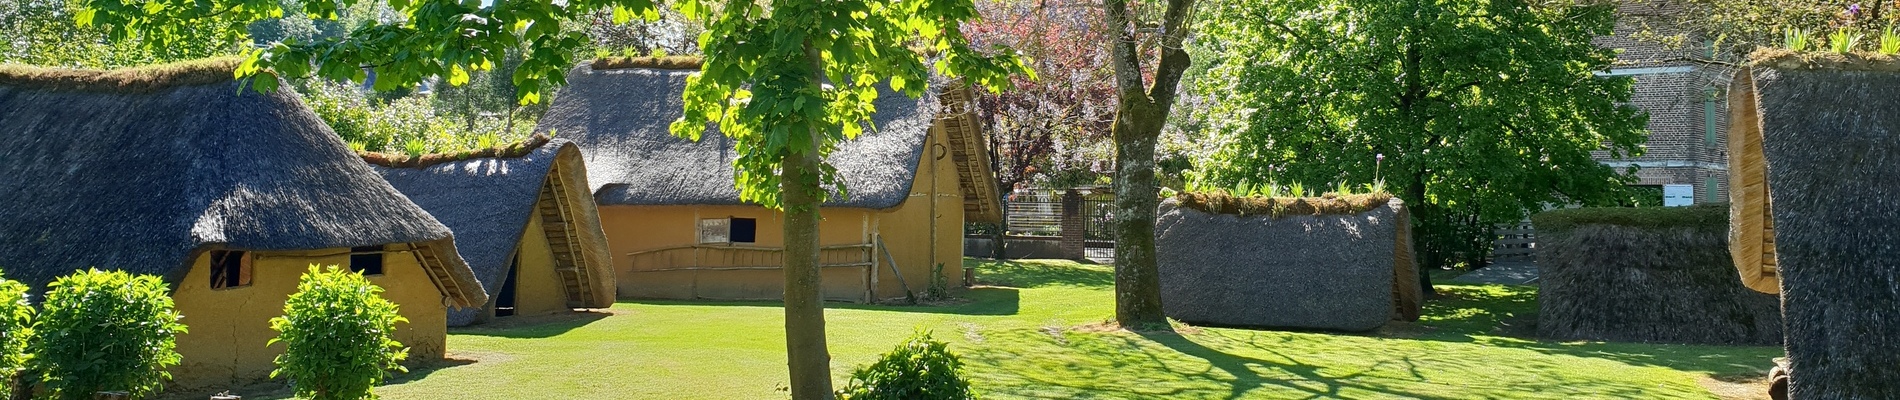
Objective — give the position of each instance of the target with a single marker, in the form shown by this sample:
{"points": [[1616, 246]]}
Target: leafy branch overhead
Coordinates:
{"points": [[760, 83], [433, 38]]}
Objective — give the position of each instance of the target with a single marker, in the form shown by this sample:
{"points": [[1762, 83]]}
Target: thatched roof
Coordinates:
{"points": [[488, 203], [620, 118], [1831, 144], [1651, 274], [144, 180], [1330, 271]]}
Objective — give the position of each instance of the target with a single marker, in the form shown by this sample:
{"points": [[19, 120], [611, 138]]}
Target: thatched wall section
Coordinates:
{"points": [[1830, 140], [1314, 270], [1650, 274]]}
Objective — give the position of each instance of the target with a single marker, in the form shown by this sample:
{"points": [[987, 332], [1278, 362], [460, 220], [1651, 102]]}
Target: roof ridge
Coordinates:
{"points": [[398, 160], [123, 80]]}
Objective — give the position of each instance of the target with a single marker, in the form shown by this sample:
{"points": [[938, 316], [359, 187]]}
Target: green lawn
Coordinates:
{"points": [[1028, 336]]}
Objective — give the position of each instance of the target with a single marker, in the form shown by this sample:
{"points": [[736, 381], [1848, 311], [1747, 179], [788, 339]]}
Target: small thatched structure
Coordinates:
{"points": [[679, 230], [525, 223], [228, 194], [1651, 274], [1828, 154], [1329, 266]]}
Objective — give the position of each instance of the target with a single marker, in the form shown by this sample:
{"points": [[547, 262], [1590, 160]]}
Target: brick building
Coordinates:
{"points": [[1685, 101]]}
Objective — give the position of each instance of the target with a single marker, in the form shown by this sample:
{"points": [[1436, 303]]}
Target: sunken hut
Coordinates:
{"points": [[678, 230], [228, 194], [1340, 263], [523, 219], [1646, 274], [1815, 147]]}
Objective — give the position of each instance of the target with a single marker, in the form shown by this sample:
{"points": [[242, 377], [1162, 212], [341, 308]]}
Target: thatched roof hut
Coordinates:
{"points": [[1828, 151], [679, 230], [141, 170], [633, 160], [1651, 274], [509, 211], [1312, 263]]}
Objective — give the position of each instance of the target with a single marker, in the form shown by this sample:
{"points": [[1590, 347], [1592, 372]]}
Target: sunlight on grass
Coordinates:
{"points": [[1018, 337]]}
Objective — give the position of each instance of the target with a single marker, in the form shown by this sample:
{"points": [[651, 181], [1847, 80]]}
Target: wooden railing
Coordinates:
{"points": [[719, 257], [1516, 242], [723, 257]]}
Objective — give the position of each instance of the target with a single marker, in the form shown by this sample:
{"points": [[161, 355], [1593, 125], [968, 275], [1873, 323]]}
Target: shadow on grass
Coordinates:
{"points": [[533, 327], [981, 300], [1506, 316], [1041, 273], [423, 370]]}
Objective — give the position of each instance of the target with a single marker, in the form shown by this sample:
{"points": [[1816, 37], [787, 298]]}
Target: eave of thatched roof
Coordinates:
{"points": [[619, 117], [488, 203], [969, 149], [144, 179]]}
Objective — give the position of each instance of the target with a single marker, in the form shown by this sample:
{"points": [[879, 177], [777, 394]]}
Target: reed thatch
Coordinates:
{"points": [[1327, 271], [1652, 274], [619, 117], [143, 180], [488, 203], [1830, 142]]}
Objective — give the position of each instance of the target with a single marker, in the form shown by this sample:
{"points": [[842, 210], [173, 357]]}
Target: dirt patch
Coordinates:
{"points": [[1736, 387]]}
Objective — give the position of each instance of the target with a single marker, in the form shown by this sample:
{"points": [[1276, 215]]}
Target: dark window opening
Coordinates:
{"points": [[230, 269], [745, 230], [505, 301], [367, 260]]}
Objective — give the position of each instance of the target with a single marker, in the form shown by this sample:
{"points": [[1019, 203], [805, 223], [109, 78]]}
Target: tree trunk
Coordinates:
{"points": [[1137, 280], [804, 307], [805, 351], [1430, 254]]}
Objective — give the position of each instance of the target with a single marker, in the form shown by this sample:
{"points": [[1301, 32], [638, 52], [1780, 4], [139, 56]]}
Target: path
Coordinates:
{"points": [[1503, 272]]}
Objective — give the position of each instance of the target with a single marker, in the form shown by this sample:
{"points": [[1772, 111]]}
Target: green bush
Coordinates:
{"points": [[922, 369], [16, 328], [337, 332], [105, 331]]}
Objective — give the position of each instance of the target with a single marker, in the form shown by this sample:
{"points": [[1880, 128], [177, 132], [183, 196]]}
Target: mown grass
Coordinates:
{"points": [[1028, 336]]}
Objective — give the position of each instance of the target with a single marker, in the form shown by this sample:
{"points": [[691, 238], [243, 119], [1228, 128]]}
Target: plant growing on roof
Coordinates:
{"points": [[16, 330], [337, 335], [920, 369], [105, 331], [1844, 40], [1796, 39], [1889, 42]]}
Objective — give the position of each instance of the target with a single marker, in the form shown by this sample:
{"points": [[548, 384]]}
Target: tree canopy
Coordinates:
{"points": [[1483, 110]]}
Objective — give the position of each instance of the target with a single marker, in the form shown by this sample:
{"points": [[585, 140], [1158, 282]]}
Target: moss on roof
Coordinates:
{"points": [[396, 160], [1701, 216], [1785, 59], [1276, 207], [125, 80], [668, 62]]}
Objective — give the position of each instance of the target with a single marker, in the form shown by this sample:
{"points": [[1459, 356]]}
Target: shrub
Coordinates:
{"points": [[105, 331], [16, 328], [921, 368], [337, 339]]}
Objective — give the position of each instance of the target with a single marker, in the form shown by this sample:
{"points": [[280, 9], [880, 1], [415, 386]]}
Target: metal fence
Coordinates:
{"points": [[1039, 212]]}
